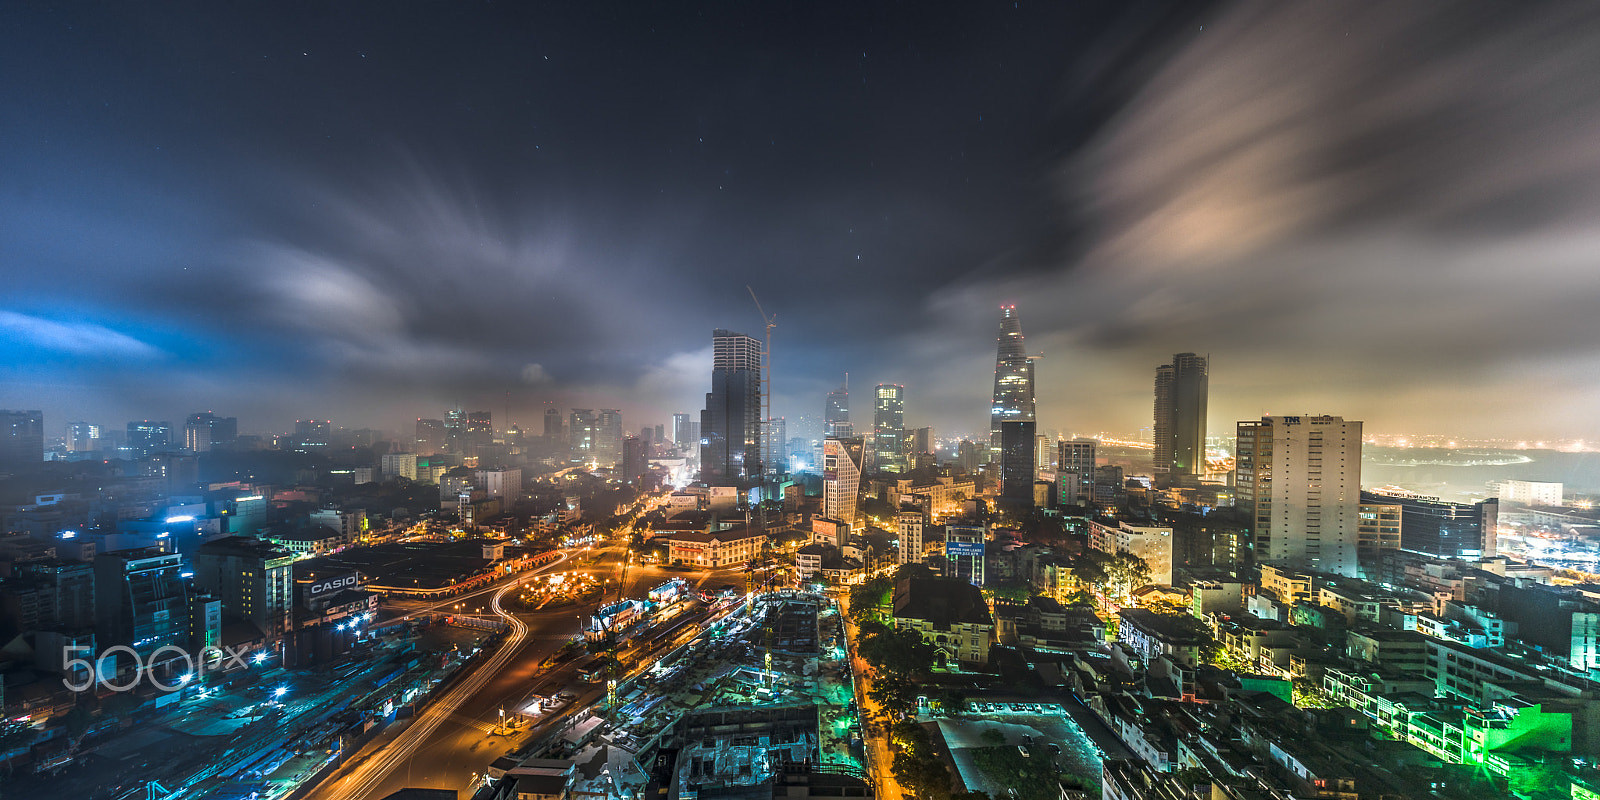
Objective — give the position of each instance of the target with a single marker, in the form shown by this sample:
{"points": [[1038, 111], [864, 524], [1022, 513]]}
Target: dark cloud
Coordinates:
{"points": [[1364, 209]]}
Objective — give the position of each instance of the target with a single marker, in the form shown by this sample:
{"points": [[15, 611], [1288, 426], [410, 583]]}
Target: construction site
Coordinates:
{"points": [[756, 703]]}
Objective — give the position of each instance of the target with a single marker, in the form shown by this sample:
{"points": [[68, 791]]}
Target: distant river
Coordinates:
{"points": [[1463, 474]]}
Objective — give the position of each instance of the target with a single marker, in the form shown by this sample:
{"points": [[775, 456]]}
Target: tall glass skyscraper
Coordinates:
{"points": [[608, 437], [730, 426], [836, 416], [1180, 418], [1013, 380], [889, 428]]}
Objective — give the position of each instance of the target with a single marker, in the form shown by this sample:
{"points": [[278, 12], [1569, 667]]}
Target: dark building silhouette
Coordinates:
{"points": [[730, 425], [21, 440], [430, 437], [1017, 462], [1180, 416]]}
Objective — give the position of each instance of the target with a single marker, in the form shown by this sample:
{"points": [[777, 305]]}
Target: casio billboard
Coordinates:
{"points": [[327, 586]]}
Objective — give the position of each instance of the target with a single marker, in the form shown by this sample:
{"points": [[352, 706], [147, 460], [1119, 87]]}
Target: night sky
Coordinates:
{"points": [[371, 211]]}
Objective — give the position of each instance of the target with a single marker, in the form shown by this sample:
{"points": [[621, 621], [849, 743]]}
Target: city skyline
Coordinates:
{"points": [[163, 261]]}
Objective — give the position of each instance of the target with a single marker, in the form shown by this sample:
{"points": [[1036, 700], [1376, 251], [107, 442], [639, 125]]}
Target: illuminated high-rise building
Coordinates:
{"points": [[479, 431], [21, 440], [1180, 415], [1298, 479], [455, 430], [889, 428], [836, 415], [146, 438], [204, 431], [83, 437], [730, 425], [841, 479], [681, 435], [608, 438], [1013, 380], [581, 434]]}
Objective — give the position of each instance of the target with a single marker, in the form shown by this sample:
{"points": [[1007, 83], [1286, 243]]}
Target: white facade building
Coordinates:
{"points": [[841, 480], [503, 483], [1533, 493], [1154, 545], [908, 525], [1299, 478], [400, 465]]}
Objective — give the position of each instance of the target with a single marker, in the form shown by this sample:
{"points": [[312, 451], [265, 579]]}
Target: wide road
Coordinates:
{"points": [[454, 736], [458, 735], [880, 750]]}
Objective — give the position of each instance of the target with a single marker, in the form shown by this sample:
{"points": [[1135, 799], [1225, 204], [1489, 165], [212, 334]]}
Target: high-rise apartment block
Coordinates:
{"points": [[399, 465], [608, 438], [909, 525], [1532, 493], [889, 428], [681, 436], [254, 579], [502, 483], [1299, 480], [1151, 544], [1075, 472], [1180, 415], [83, 437], [1013, 380], [730, 425], [841, 479]]}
